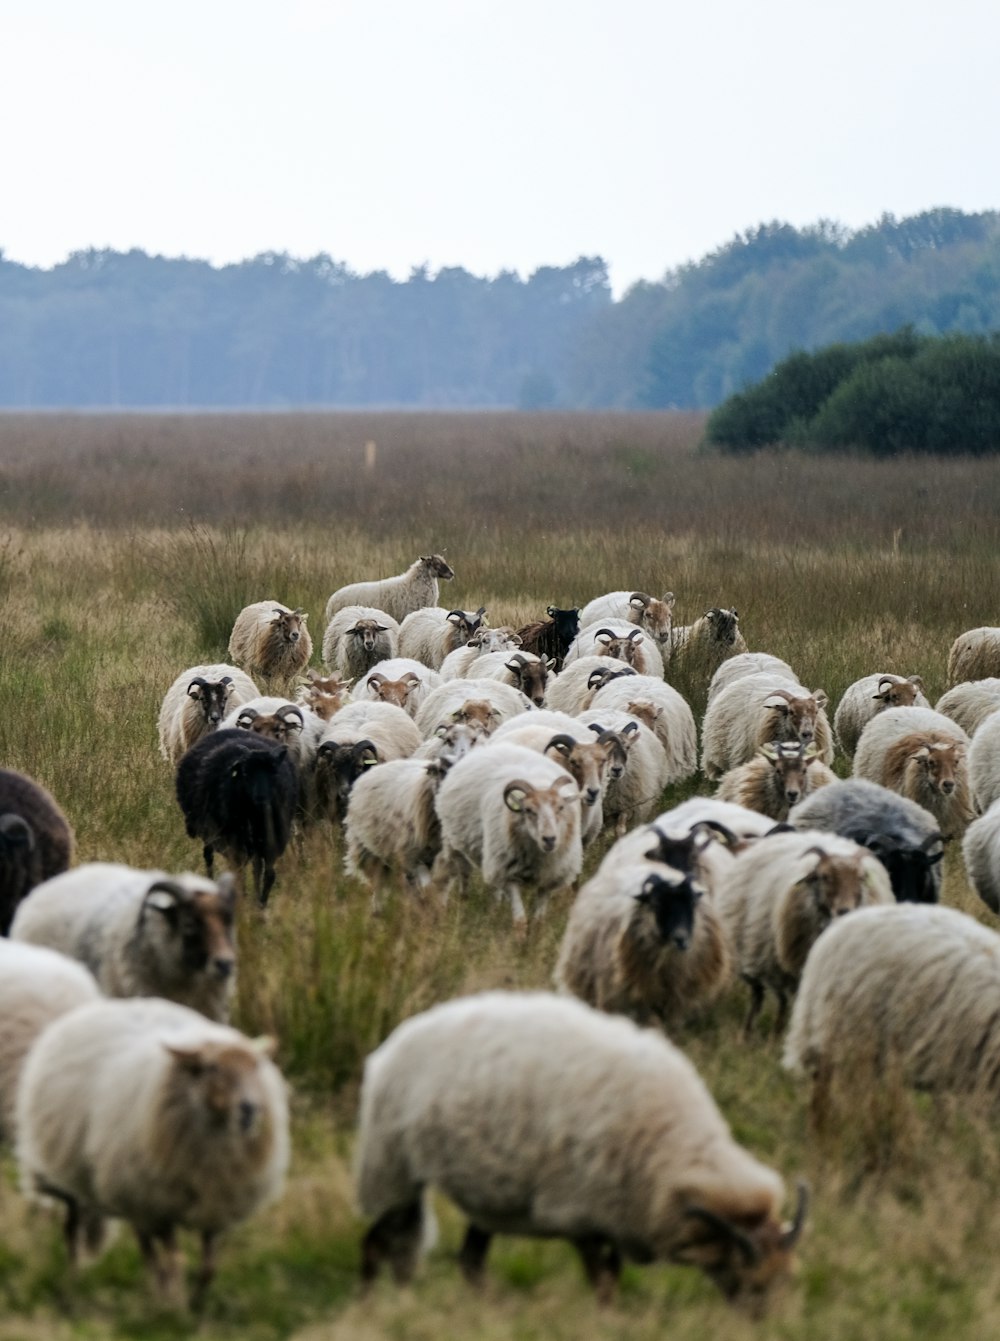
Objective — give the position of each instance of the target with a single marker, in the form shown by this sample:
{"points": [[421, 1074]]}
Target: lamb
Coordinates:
{"points": [[974, 655], [358, 737], [981, 850], [755, 710], [621, 640], [428, 635], [634, 796], [921, 754], [36, 986], [238, 793], [36, 840], [140, 933], [642, 941], [706, 642], [523, 670], [576, 684], [478, 1097], [984, 762], [660, 707], [551, 637], [748, 663], [196, 703], [778, 777], [514, 815], [271, 641], [970, 703], [144, 1110], [485, 703], [780, 896], [654, 617], [397, 596], [322, 694], [358, 638], [869, 696], [903, 835], [402, 681], [458, 665]]}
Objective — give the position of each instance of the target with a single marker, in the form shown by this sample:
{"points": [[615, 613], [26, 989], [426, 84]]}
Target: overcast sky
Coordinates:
{"points": [[491, 134]]}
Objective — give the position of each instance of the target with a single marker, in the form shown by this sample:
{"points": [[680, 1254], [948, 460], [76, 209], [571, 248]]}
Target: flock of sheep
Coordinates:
{"points": [[444, 749]]}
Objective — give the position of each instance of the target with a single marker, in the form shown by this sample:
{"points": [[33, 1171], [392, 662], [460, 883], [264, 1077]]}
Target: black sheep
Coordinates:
{"points": [[36, 841], [552, 637]]}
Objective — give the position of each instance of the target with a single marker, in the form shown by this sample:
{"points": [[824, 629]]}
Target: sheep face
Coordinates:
{"points": [[681, 851], [457, 739], [338, 767], [792, 717], [366, 633], [745, 1263], [672, 906], [566, 624], [198, 924], [655, 617], [620, 646], [324, 694], [899, 693], [289, 625], [437, 567], [478, 714], [281, 726], [911, 869], [836, 885], [220, 1085], [211, 697], [790, 761], [392, 691], [530, 677], [464, 625], [935, 767], [724, 624], [586, 763], [539, 811]]}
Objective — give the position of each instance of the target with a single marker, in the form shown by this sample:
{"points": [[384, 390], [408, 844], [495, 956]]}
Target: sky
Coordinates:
{"points": [[489, 134]]}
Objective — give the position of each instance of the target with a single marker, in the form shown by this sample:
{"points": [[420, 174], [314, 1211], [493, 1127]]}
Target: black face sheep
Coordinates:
{"points": [[271, 641], [140, 933], [755, 710], [536, 1115], [238, 793], [551, 638], [706, 642], [358, 737], [358, 638], [36, 841], [197, 702], [399, 595], [924, 755], [783, 773], [524, 671], [146, 1111], [865, 698]]}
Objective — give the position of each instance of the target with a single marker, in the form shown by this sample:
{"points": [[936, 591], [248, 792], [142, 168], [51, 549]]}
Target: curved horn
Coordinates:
{"points": [[562, 742], [376, 677], [17, 831], [288, 710], [727, 1230], [517, 785], [247, 715], [610, 633], [792, 1232]]}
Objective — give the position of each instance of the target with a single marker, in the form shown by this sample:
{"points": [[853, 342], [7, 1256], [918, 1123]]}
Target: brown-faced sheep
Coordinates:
{"points": [[923, 755], [271, 641]]}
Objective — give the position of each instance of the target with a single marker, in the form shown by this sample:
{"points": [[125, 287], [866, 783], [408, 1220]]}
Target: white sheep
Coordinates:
{"points": [[271, 641], [642, 941], [196, 703], [480, 703], [514, 815], [984, 762], [146, 1111], [706, 642], [458, 665], [36, 986], [140, 933], [653, 616], [353, 740], [925, 756], [635, 795], [403, 681], [357, 638], [974, 655], [981, 850], [399, 595], [428, 635], [537, 1115], [970, 703], [664, 710], [523, 670], [620, 640], [781, 893], [576, 684], [779, 776], [748, 663], [755, 710], [872, 694]]}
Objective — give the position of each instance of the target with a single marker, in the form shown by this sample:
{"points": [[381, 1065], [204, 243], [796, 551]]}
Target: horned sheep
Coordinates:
{"points": [[402, 681], [271, 641], [923, 755], [430, 634], [755, 710], [322, 694], [458, 665], [635, 795], [576, 684], [865, 698], [970, 703], [703, 848], [522, 670], [748, 663], [356, 738], [293, 725], [482, 703], [36, 841], [476, 1097], [654, 616], [620, 640], [780, 775], [357, 638], [974, 655], [399, 595], [196, 703], [660, 707]]}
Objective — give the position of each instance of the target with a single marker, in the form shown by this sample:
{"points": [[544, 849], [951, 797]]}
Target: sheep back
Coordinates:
{"points": [[974, 655], [970, 703]]}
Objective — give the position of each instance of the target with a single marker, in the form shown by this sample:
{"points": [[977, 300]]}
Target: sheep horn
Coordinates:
{"points": [[288, 710], [562, 742], [636, 633], [792, 1232], [610, 632], [641, 597], [452, 614], [171, 894], [724, 834], [376, 677], [17, 830], [511, 790], [247, 715], [728, 1230]]}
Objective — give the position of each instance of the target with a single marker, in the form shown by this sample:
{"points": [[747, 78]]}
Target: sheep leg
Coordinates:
{"points": [[208, 853], [166, 1268], [782, 1015], [395, 1236], [513, 892], [206, 1269], [472, 1255], [756, 1001], [603, 1264]]}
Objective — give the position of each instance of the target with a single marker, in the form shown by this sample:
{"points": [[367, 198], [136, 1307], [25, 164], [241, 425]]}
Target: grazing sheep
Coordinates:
{"points": [[780, 896], [867, 697], [914, 991], [523, 670], [635, 795], [140, 933], [457, 665], [970, 703], [748, 663], [357, 638], [974, 655], [146, 1111], [779, 776], [653, 616], [322, 694], [537, 1115], [984, 762], [36, 986], [551, 638], [36, 841], [924, 755], [482, 703], [428, 635], [576, 684], [620, 640], [981, 850], [402, 681], [196, 703], [903, 835], [358, 737], [238, 793], [270, 641], [397, 596], [755, 710], [514, 815], [642, 941], [660, 707], [706, 642]]}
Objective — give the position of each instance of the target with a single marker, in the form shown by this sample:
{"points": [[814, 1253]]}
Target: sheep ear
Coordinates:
{"points": [[916, 680], [820, 696]]}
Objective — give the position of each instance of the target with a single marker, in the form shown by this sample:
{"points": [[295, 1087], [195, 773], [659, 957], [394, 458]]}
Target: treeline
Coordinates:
{"points": [[110, 328]]}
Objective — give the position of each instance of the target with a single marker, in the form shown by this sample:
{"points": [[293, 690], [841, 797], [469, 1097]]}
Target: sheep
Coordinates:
{"points": [[451, 738], [238, 793], [780, 895], [144, 1110], [974, 655], [634, 796], [357, 638], [402, 681], [458, 665], [743, 823], [514, 815], [970, 703], [663, 710], [551, 637], [36, 840], [36, 986], [196, 703], [748, 663], [485, 703], [576, 684], [924, 755], [323, 694], [780, 775], [523, 670], [913, 990], [903, 835], [537, 1115], [287, 723], [642, 941], [621, 640], [271, 641], [397, 596], [755, 710], [701, 848], [140, 933], [981, 850], [984, 762], [867, 697], [706, 642], [429, 634], [358, 737], [653, 616]]}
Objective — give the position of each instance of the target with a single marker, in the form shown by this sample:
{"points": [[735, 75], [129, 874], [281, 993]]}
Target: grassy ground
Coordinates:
{"points": [[127, 546]]}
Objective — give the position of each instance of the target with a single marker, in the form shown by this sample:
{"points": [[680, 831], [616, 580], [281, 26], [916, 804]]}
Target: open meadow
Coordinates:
{"points": [[127, 546]]}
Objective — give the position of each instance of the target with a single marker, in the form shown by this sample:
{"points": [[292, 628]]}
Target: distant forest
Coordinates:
{"points": [[109, 328]]}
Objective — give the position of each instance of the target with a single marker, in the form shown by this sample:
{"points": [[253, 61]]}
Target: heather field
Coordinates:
{"points": [[127, 546]]}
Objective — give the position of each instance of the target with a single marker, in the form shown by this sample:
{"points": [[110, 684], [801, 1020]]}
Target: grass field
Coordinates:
{"points": [[127, 546]]}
